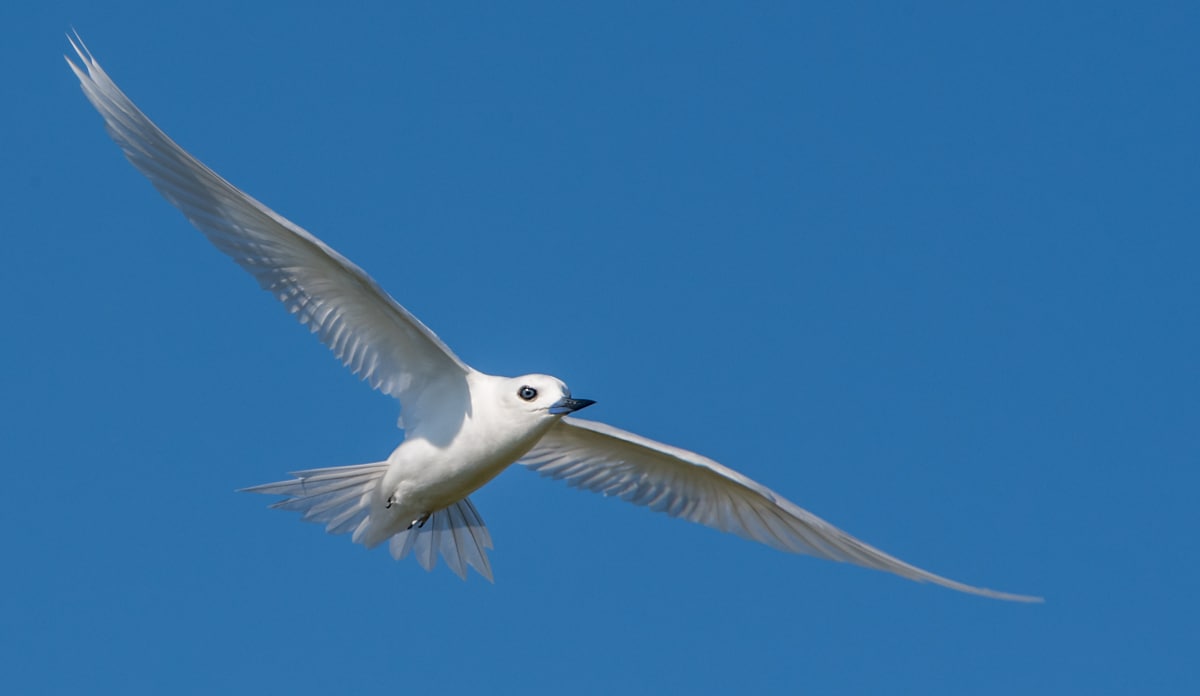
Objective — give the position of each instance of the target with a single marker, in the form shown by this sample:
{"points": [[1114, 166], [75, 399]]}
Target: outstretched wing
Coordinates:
{"points": [[366, 329], [606, 460]]}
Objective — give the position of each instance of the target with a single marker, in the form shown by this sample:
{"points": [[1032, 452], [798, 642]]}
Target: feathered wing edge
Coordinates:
{"points": [[613, 462], [340, 498], [366, 329]]}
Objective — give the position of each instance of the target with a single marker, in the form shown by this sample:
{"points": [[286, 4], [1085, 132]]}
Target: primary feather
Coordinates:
{"points": [[600, 458], [375, 337]]}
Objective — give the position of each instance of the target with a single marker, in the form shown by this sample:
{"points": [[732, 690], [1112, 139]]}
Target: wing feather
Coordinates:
{"points": [[607, 460], [375, 337]]}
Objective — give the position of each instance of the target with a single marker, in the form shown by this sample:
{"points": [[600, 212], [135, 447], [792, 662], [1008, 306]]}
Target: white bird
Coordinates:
{"points": [[462, 427]]}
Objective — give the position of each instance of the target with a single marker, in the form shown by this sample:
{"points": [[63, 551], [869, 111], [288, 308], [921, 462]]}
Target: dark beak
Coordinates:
{"points": [[569, 405]]}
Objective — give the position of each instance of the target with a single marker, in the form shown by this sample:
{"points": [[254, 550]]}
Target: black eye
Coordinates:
{"points": [[527, 393]]}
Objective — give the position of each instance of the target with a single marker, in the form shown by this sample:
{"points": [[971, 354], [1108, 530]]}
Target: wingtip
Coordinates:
{"points": [[87, 64], [79, 46], [996, 594], [267, 488]]}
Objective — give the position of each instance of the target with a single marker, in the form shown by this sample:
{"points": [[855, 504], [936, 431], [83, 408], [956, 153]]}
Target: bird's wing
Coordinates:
{"points": [[366, 329], [606, 460]]}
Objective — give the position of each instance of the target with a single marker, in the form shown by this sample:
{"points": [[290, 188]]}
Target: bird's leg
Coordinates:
{"points": [[419, 523]]}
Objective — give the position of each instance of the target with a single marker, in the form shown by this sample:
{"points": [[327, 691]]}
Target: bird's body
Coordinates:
{"points": [[423, 477], [462, 427]]}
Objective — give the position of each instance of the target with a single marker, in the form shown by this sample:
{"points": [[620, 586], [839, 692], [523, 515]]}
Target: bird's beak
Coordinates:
{"points": [[569, 405]]}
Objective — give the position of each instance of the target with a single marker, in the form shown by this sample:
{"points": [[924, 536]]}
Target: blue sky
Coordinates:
{"points": [[929, 271]]}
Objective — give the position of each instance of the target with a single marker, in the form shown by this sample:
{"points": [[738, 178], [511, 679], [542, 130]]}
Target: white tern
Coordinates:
{"points": [[462, 427]]}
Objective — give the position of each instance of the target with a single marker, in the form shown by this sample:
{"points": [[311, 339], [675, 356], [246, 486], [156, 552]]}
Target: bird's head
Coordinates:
{"points": [[542, 395]]}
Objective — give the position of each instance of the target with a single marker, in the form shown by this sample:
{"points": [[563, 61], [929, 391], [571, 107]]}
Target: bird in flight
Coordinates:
{"points": [[462, 427]]}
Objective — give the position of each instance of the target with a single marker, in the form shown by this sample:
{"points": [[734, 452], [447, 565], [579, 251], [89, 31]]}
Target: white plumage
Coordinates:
{"points": [[462, 427]]}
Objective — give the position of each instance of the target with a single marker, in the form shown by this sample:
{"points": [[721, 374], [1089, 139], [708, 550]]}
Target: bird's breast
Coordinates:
{"points": [[432, 477]]}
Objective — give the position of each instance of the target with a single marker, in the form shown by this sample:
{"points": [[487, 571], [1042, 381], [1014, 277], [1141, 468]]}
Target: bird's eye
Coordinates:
{"points": [[527, 393]]}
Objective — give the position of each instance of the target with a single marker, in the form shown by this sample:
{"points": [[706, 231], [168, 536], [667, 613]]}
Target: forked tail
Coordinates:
{"points": [[340, 498]]}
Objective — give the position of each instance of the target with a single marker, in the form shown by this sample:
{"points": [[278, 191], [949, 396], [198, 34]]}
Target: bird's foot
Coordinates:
{"points": [[420, 521]]}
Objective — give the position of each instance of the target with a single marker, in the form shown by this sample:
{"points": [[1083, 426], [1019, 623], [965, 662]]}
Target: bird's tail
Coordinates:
{"points": [[340, 498], [457, 532]]}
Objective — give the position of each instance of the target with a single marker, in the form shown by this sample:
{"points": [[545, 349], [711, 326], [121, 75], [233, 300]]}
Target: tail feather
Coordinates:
{"points": [[340, 498], [350, 517], [426, 546], [457, 532], [470, 536]]}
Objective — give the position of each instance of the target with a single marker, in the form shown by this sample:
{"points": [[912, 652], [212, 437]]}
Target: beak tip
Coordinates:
{"points": [[567, 405]]}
